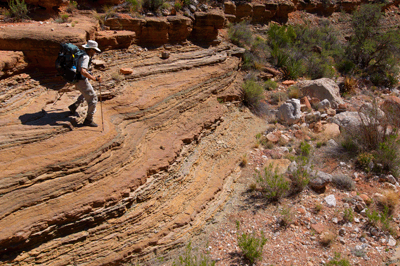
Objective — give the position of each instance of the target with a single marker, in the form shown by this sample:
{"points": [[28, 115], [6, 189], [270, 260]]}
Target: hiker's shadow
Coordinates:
{"points": [[43, 118]]}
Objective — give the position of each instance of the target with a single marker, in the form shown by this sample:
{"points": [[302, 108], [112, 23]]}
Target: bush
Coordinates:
{"points": [[252, 93], [240, 34], [305, 149], [300, 177], [190, 259], [294, 92], [373, 50], [348, 215], [72, 6], [152, 5], [343, 182], [278, 97], [381, 220], [250, 244], [337, 261], [287, 216], [134, 5], [62, 19], [270, 85], [178, 5], [18, 10], [274, 186]]}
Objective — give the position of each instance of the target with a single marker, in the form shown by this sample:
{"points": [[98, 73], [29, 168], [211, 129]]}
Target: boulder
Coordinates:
{"points": [[324, 104], [319, 180], [244, 11], [41, 45], [11, 63], [261, 14], [109, 40], [285, 7], [206, 25], [154, 32], [180, 28], [289, 112], [322, 89], [229, 8], [347, 120], [125, 22]]}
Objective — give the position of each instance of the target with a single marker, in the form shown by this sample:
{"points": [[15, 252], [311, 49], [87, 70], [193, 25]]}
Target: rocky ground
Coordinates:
{"points": [[164, 168]]}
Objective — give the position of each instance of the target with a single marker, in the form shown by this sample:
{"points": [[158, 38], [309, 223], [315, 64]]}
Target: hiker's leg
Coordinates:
{"points": [[90, 96]]}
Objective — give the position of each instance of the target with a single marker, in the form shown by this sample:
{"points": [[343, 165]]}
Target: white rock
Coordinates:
{"points": [[330, 200]]}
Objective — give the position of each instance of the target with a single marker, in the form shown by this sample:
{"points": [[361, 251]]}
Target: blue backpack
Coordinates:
{"points": [[67, 62]]}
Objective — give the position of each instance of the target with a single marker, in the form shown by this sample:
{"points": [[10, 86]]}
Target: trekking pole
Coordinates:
{"points": [[101, 108]]}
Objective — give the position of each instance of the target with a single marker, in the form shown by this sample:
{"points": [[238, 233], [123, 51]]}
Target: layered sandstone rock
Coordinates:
{"points": [[79, 195], [40, 43], [125, 22], [115, 39], [206, 25], [11, 63], [154, 32], [180, 28]]}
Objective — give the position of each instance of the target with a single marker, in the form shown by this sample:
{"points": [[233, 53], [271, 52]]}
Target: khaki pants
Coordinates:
{"points": [[88, 94]]}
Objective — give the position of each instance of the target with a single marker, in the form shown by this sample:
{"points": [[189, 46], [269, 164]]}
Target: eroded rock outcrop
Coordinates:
{"points": [[40, 43], [148, 181]]}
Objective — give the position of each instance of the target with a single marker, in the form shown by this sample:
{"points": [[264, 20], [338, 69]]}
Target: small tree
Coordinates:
{"points": [[18, 10], [372, 49]]}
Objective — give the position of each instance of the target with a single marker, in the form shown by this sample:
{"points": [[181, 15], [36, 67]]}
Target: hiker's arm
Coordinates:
{"points": [[86, 74]]}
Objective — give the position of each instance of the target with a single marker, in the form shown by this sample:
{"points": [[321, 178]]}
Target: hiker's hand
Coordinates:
{"points": [[98, 78]]}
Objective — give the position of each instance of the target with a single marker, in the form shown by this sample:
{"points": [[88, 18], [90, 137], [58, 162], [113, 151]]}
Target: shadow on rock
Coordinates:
{"points": [[43, 118]]}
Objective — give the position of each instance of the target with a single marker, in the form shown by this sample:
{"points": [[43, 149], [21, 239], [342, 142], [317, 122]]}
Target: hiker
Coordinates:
{"points": [[83, 84]]}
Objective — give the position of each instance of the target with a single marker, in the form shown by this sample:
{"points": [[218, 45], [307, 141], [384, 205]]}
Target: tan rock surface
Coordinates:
{"points": [[148, 181]]}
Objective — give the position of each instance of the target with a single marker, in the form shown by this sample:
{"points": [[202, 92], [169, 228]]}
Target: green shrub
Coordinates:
{"points": [[18, 10], [337, 261], [300, 177], [62, 19], [278, 97], [305, 148], [348, 215], [72, 6], [177, 5], [274, 185], [294, 92], [250, 244], [152, 5], [190, 259], [343, 182], [252, 93], [373, 50], [387, 155], [270, 85], [240, 34], [381, 220], [134, 5], [287, 216]]}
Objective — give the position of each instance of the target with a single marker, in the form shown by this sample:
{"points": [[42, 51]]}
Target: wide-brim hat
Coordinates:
{"points": [[92, 45]]}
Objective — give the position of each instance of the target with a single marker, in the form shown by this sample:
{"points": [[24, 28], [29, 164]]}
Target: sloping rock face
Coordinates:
{"points": [[40, 43], [162, 166]]}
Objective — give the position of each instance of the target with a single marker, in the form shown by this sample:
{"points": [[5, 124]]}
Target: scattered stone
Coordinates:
{"points": [[289, 112], [288, 82], [126, 71], [367, 200], [274, 136], [391, 242], [306, 103], [330, 112], [342, 231], [318, 227], [324, 104], [330, 200], [165, 55]]}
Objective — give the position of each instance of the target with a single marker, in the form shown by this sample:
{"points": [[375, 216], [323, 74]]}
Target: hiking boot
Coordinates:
{"points": [[73, 108], [89, 123]]}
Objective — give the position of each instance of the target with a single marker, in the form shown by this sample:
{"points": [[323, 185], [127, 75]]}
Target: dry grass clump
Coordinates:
{"points": [[343, 182], [327, 238]]}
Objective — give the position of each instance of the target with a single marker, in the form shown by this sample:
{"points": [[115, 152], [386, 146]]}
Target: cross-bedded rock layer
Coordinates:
{"points": [[162, 166]]}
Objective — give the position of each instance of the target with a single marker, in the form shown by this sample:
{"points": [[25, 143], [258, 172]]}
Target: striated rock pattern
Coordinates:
{"points": [[11, 63], [152, 178]]}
